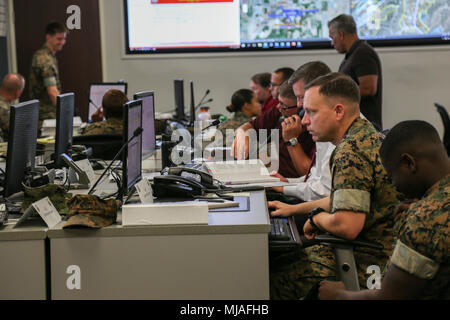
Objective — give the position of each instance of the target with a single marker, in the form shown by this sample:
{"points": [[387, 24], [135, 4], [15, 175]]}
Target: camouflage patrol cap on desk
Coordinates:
{"points": [[91, 211], [56, 193]]}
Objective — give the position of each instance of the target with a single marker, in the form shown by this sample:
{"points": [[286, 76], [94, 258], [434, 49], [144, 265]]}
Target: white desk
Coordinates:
{"points": [[22, 262], [227, 259]]}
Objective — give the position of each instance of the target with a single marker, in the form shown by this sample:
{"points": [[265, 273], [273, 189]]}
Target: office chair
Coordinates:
{"points": [[104, 146], [446, 120], [343, 252]]}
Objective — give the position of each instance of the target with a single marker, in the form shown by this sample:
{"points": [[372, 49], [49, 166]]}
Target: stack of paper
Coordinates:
{"points": [[240, 171]]}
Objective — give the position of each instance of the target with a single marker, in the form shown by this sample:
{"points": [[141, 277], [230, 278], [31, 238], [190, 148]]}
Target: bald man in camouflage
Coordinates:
{"points": [[10, 90]]}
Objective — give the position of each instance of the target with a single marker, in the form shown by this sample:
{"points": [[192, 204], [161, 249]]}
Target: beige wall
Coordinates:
{"points": [[414, 77]]}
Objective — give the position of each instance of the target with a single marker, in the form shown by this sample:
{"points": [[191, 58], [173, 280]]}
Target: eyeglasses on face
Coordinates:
{"points": [[284, 107]]}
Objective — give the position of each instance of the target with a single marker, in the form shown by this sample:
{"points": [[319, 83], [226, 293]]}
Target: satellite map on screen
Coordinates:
{"points": [[308, 19]]}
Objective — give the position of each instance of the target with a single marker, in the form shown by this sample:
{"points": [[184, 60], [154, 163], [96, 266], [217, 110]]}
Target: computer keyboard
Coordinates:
{"points": [[279, 230]]}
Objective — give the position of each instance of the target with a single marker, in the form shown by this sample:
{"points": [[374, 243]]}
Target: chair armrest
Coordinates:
{"points": [[328, 238]]}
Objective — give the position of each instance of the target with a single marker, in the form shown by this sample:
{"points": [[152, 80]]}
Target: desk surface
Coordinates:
{"points": [[254, 221], [34, 229]]}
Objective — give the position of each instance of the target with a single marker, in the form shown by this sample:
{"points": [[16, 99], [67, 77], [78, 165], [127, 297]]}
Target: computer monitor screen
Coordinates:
{"points": [[132, 157], [148, 122], [64, 126], [98, 90], [22, 137], [256, 25], [178, 85]]}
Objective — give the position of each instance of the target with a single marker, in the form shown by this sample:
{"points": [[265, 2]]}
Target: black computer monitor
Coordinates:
{"points": [[98, 90], [132, 155], [23, 130], [178, 85], [148, 122], [65, 109], [192, 109]]}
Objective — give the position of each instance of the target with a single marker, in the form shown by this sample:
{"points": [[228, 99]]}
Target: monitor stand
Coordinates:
{"points": [[78, 178]]}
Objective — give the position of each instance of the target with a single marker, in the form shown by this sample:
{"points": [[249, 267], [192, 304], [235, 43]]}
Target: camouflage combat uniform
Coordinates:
{"points": [[4, 118], [44, 73], [422, 247], [238, 120], [110, 126], [359, 184]]}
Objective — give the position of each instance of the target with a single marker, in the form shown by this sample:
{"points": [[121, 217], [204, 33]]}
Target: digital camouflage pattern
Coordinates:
{"points": [[4, 117], [238, 120], [44, 73], [110, 126], [424, 241], [293, 274], [91, 211], [56, 193], [360, 184]]}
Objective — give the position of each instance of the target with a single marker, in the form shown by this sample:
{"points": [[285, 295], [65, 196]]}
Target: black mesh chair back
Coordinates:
{"points": [[104, 146], [446, 120]]}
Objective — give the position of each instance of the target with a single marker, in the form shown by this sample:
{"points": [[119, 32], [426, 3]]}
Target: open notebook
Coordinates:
{"points": [[240, 171]]}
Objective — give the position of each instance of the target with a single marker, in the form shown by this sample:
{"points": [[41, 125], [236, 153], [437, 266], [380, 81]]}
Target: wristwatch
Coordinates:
{"points": [[314, 212], [291, 142]]}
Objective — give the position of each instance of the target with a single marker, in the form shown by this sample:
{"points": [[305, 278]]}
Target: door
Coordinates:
{"points": [[79, 61]]}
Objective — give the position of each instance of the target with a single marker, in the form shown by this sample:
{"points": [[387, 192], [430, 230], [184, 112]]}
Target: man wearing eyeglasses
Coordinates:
{"points": [[294, 163]]}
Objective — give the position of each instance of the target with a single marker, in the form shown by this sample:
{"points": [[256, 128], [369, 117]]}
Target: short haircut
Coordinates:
{"points": [[55, 27], [13, 82], [286, 73], [406, 136], [344, 23], [337, 85], [286, 91], [308, 72], [263, 79], [239, 98], [113, 102]]}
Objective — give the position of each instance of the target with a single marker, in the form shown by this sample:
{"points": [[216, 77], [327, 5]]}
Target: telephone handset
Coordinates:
{"points": [[174, 186], [200, 176]]}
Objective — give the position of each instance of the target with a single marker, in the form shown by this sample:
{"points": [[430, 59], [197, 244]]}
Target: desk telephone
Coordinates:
{"points": [[183, 183]]}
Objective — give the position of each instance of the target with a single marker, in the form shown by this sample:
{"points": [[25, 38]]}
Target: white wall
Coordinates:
{"points": [[414, 78]]}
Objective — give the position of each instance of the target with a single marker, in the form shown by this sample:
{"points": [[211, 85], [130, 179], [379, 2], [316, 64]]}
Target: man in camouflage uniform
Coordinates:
{"points": [[44, 80], [10, 90], [112, 105], [418, 164], [362, 199]]}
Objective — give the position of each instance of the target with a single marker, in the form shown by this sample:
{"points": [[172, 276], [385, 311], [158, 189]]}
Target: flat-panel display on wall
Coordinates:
{"points": [[176, 26]]}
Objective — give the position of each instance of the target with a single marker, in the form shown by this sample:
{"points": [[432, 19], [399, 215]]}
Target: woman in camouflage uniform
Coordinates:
{"points": [[245, 106]]}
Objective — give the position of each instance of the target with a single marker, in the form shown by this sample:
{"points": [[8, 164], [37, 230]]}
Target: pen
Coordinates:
{"points": [[211, 199]]}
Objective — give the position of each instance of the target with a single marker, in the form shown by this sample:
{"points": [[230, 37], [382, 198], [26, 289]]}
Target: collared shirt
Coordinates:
{"points": [[4, 117], [423, 242], [269, 105], [44, 73], [271, 121], [361, 60], [318, 184]]}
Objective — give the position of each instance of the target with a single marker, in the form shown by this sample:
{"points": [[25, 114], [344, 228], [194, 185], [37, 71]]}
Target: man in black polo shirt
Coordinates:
{"points": [[361, 63]]}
